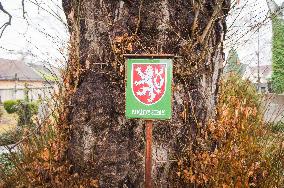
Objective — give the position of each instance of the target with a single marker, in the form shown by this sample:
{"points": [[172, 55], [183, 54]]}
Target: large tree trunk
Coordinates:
{"points": [[102, 142]]}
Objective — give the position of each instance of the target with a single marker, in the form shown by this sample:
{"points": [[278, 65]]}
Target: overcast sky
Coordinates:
{"points": [[243, 34], [43, 35]]}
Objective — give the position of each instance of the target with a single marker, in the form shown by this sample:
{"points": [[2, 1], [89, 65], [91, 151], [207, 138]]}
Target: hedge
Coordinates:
{"points": [[10, 106], [278, 55]]}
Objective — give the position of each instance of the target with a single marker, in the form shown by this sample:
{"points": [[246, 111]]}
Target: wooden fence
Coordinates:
{"points": [[273, 107]]}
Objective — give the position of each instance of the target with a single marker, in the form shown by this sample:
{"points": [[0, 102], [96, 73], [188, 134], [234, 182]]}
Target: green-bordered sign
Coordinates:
{"points": [[149, 88]]}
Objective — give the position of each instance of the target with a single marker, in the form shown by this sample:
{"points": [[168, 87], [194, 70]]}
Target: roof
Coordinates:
{"points": [[9, 69], [265, 72], [47, 72]]}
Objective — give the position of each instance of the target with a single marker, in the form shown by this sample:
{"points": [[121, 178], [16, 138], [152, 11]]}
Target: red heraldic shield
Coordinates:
{"points": [[149, 82]]}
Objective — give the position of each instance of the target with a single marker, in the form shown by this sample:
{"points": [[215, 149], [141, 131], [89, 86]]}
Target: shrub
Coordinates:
{"points": [[25, 111], [233, 150], [1, 112], [10, 137], [278, 55], [40, 160], [277, 127], [34, 107], [10, 106], [38, 163]]}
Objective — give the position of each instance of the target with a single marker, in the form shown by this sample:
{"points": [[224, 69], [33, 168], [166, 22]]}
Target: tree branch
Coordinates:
{"points": [[23, 5], [3, 27]]}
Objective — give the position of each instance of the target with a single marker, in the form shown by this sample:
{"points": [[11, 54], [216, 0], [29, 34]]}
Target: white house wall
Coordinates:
{"points": [[12, 90]]}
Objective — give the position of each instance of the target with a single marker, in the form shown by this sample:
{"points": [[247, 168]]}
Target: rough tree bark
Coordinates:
{"points": [[103, 143]]}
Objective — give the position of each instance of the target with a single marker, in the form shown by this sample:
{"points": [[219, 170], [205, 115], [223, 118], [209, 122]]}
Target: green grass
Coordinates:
{"points": [[8, 122]]}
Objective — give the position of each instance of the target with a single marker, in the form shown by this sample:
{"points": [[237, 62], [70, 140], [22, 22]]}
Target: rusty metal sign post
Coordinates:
{"points": [[148, 158], [148, 95]]}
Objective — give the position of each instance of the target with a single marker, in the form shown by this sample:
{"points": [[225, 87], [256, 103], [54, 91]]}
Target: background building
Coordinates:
{"points": [[15, 75], [263, 73]]}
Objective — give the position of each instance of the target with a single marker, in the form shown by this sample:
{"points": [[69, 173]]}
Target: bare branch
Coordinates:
{"points": [[3, 27], [23, 5]]}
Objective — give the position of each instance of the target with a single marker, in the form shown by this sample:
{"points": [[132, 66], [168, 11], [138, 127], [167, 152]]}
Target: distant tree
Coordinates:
{"points": [[233, 64]]}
